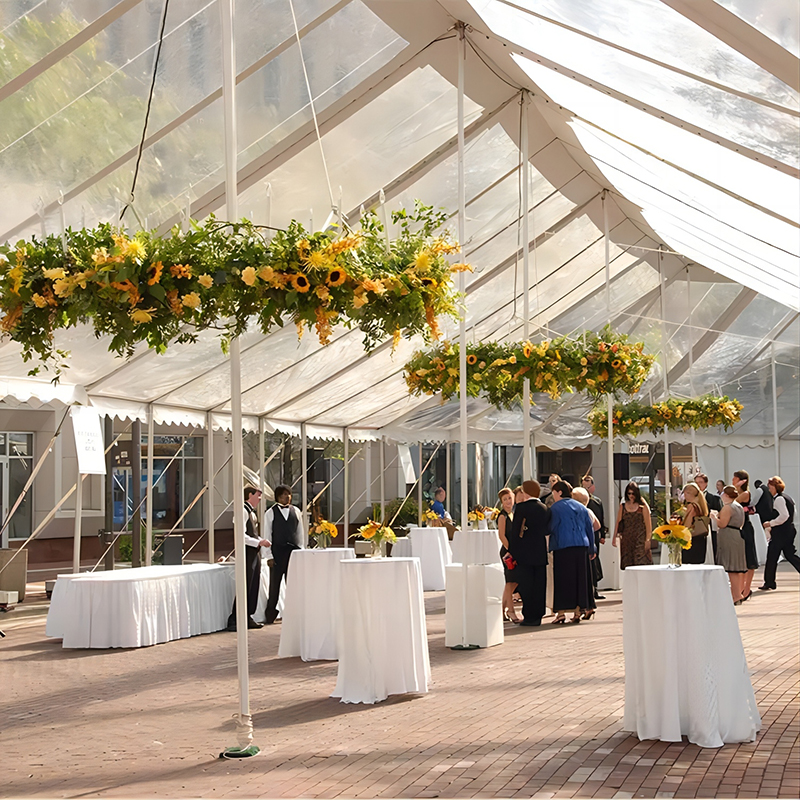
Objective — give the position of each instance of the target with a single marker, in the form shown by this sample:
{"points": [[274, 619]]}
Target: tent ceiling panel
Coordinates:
{"points": [[780, 20]]}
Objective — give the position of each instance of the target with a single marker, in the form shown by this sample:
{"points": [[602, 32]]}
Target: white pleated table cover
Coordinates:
{"points": [[402, 548], [485, 584], [483, 546], [432, 547], [140, 607], [311, 610], [383, 641], [685, 668]]}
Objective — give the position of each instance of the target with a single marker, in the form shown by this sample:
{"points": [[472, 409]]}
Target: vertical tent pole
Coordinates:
{"points": [[609, 397], [775, 411], [212, 549], [368, 471], [383, 482], [527, 469], [108, 522], [136, 479], [447, 468], [148, 547], [691, 358], [419, 484], [664, 367], [346, 493], [244, 721], [76, 546], [262, 469], [304, 472]]}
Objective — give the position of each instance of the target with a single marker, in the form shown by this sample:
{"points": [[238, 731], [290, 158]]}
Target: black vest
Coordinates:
{"points": [[286, 533], [764, 506], [788, 526]]}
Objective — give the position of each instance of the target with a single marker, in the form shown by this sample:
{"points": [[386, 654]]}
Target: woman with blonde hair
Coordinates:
{"points": [[696, 519], [506, 498], [730, 545]]}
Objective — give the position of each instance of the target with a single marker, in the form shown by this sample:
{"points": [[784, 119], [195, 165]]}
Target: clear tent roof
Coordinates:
{"points": [[679, 122]]}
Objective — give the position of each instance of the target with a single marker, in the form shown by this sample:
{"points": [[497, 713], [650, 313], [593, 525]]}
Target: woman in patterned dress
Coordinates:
{"points": [[633, 529]]}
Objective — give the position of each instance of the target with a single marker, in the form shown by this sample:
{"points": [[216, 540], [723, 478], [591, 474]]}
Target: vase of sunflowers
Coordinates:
{"points": [[677, 537], [322, 532], [376, 533]]}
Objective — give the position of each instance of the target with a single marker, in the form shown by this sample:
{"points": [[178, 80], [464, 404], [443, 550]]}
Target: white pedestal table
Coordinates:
{"points": [[482, 546], [432, 547], [685, 668], [383, 642], [311, 611]]}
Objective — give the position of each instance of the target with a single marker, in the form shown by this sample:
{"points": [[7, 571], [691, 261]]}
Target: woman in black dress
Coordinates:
{"points": [[506, 497], [741, 482]]}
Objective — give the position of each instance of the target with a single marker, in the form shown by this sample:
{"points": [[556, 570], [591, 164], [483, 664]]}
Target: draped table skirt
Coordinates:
{"points": [[140, 607], [432, 547], [685, 668]]}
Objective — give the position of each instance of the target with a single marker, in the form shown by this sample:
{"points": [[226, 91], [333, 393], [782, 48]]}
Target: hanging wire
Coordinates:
{"points": [[149, 104]]}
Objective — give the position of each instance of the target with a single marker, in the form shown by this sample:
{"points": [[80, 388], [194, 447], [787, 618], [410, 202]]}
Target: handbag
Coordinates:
{"points": [[509, 561]]}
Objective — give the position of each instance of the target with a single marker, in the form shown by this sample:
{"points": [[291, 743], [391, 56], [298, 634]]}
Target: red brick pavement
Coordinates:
{"points": [[539, 716]]}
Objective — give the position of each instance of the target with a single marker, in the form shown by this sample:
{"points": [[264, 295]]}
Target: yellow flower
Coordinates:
{"points": [[181, 270], [156, 269], [191, 300], [99, 256], [584, 362], [39, 301], [422, 262], [249, 275], [16, 275], [141, 315], [336, 277], [429, 283], [322, 292], [134, 250], [373, 286], [616, 363], [360, 300], [63, 287], [395, 339], [206, 281], [300, 283], [55, 273], [472, 359], [527, 349], [266, 274], [461, 268], [316, 259]]}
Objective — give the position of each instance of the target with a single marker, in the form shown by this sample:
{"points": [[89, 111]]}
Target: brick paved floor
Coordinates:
{"points": [[539, 716]]}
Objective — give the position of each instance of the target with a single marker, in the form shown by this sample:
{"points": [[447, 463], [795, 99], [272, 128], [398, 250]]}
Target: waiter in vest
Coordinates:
{"points": [[252, 557], [782, 533], [283, 525]]}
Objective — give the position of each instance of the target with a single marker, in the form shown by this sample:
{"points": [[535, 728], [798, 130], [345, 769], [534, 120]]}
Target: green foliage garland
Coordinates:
{"points": [[223, 275], [597, 363], [632, 419]]}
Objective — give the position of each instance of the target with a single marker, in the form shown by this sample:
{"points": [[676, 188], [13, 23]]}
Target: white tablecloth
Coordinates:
{"points": [[140, 607], [432, 548], [483, 546], [485, 584], [383, 641], [311, 611], [685, 668], [402, 548]]}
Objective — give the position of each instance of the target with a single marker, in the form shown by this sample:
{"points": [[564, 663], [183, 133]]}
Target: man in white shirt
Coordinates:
{"points": [[283, 525], [252, 562], [781, 532]]}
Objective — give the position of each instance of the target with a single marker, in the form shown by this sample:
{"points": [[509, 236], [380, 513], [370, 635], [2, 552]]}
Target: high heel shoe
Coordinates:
{"points": [[559, 620], [575, 620], [515, 619], [588, 613]]}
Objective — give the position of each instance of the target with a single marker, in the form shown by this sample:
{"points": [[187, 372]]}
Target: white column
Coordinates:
{"points": [[346, 493], [304, 470], [462, 288], [665, 367], [611, 504], [262, 469], [210, 472], [368, 471], [691, 358], [419, 484], [383, 479], [527, 466], [776, 430], [148, 547], [76, 545]]}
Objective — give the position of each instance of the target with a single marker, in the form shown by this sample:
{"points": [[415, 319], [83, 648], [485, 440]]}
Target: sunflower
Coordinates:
{"points": [[616, 363], [336, 277], [300, 283], [472, 359], [428, 283], [527, 349]]}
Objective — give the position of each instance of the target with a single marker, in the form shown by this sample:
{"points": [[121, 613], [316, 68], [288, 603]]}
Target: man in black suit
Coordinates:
{"points": [[596, 506], [528, 545], [714, 504], [283, 524], [252, 557]]}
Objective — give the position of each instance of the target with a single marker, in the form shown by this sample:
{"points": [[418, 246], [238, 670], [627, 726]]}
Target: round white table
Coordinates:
{"points": [[432, 547], [311, 610], [140, 607], [482, 546], [685, 668], [383, 641]]}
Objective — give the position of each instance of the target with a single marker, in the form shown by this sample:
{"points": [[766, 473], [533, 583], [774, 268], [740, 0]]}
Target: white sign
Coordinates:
{"points": [[88, 441]]}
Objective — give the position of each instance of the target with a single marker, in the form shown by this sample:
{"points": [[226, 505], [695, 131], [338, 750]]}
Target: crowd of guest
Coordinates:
{"points": [[553, 535]]}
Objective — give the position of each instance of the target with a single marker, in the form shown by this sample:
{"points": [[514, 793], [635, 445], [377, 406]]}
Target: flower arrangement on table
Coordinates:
{"points": [[677, 537], [375, 533], [429, 515], [222, 275], [632, 419], [599, 363], [322, 532], [480, 513]]}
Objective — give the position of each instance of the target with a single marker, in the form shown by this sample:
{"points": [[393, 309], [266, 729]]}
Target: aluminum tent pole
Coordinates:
{"points": [[419, 484], [76, 546], [148, 546], [775, 411], [346, 475], [244, 722], [262, 469], [691, 360], [609, 397], [664, 367], [304, 471], [211, 472], [383, 483], [527, 469]]}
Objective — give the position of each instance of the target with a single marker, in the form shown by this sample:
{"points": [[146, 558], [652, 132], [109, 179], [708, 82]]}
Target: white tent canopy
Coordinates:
{"points": [[677, 121]]}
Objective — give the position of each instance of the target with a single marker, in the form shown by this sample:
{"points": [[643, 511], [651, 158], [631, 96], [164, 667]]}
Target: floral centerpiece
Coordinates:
{"points": [[375, 533], [677, 537], [480, 514], [224, 276], [322, 532], [430, 516], [632, 419], [599, 363]]}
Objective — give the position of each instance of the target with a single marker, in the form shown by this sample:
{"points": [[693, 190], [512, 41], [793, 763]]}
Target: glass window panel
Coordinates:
{"points": [[761, 128], [20, 444], [658, 31], [19, 471], [192, 469], [777, 19], [2, 444]]}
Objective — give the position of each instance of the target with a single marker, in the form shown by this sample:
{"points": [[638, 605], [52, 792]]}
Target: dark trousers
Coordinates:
{"points": [[252, 568], [780, 542], [277, 572], [532, 588]]}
